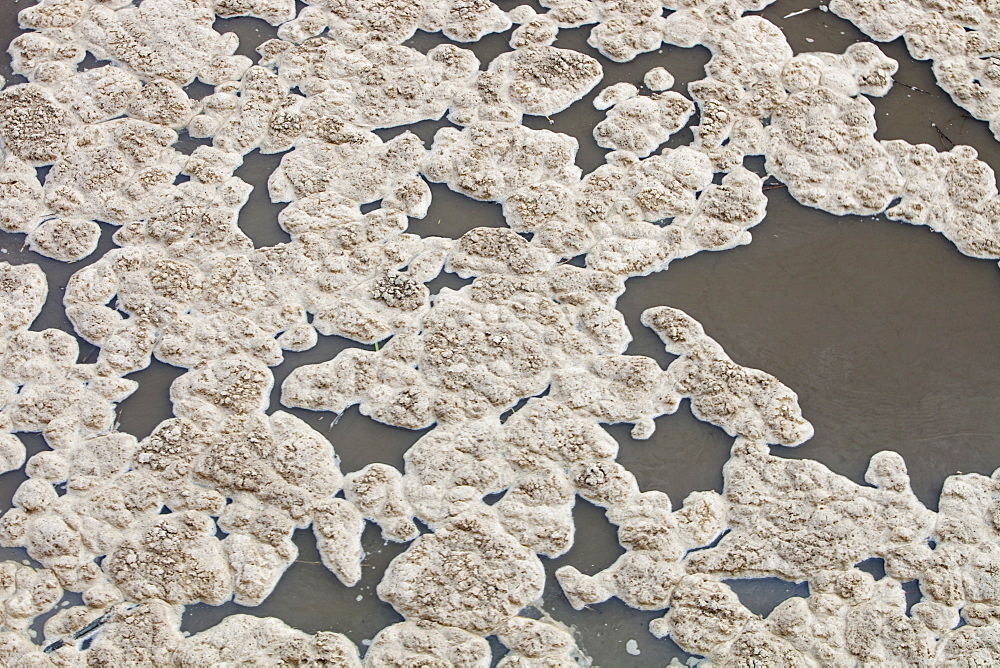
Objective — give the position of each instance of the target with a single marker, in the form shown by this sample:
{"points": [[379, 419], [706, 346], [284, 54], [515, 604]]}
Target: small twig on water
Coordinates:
{"points": [[79, 634], [919, 90], [801, 11], [943, 135], [964, 118], [91, 626], [780, 185]]}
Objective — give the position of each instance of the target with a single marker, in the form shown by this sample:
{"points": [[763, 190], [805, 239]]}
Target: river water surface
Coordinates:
{"points": [[890, 337]]}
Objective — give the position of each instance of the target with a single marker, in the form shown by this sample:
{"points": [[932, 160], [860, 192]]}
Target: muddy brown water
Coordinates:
{"points": [[890, 337]]}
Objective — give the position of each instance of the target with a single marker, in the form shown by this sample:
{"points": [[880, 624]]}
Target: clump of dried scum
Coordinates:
{"points": [[204, 508]]}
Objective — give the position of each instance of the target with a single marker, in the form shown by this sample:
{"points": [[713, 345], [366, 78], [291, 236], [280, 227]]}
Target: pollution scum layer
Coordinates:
{"points": [[203, 509]]}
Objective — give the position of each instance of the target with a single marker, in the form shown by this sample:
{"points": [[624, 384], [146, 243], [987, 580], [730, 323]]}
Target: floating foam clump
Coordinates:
{"points": [[254, 112], [390, 172], [110, 171], [426, 641], [167, 39], [246, 639], [627, 191], [379, 85], [540, 80], [532, 641], [862, 68], [377, 492], [836, 525], [274, 12], [690, 21], [849, 171], [176, 559], [952, 193], [355, 23], [626, 29], [481, 590], [640, 124], [479, 350], [742, 401], [337, 526], [42, 386], [489, 161], [655, 540], [26, 593]]}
